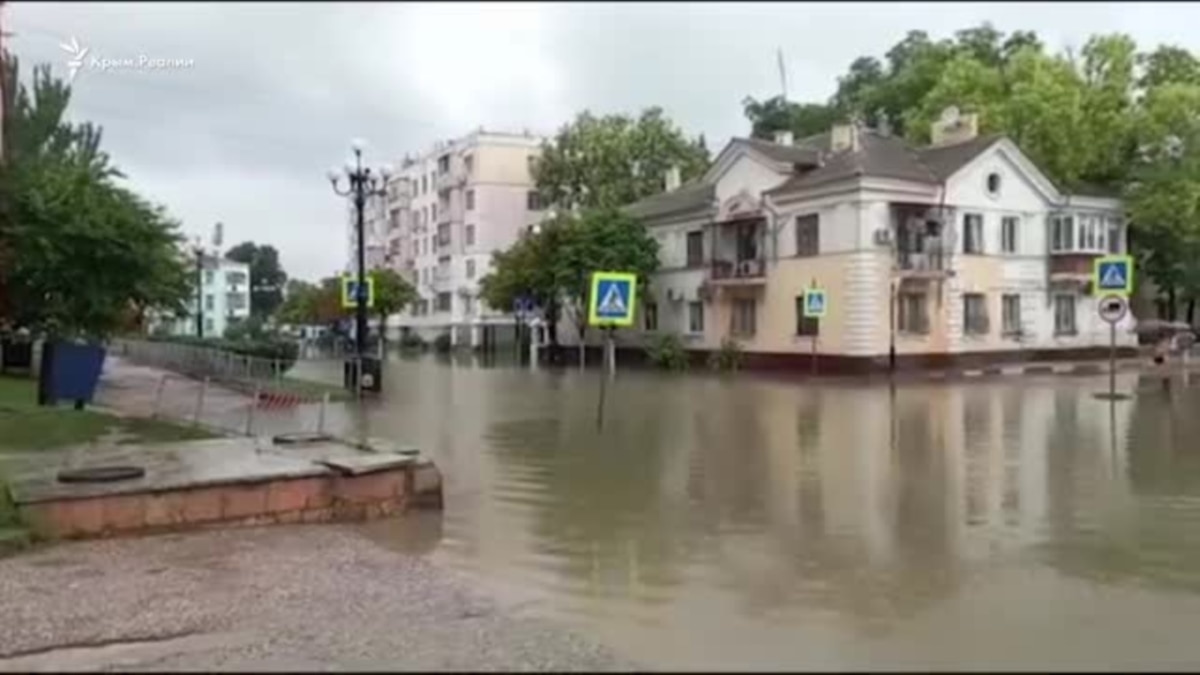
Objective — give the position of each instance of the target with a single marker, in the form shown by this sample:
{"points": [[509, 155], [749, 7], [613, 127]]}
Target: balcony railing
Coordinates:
{"points": [[749, 270], [921, 261], [455, 177]]}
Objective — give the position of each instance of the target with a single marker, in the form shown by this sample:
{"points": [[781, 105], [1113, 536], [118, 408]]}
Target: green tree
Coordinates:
{"points": [[299, 303], [600, 240], [267, 277], [777, 114], [81, 252], [1163, 197], [607, 162], [392, 294]]}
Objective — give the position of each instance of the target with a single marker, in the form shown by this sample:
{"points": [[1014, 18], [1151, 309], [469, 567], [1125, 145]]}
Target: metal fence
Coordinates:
{"points": [[217, 389]]}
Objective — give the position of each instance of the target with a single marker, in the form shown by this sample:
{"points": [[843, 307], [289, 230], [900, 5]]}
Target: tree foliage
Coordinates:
{"points": [[1107, 117], [611, 161], [392, 293], [267, 277], [554, 264], [80, 252]]}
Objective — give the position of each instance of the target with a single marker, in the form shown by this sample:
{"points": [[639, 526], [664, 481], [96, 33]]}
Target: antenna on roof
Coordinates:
{"points": [[782, 72]]}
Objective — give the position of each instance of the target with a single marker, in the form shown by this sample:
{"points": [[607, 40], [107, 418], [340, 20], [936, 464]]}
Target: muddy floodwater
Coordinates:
{"points": [[755, 523]]}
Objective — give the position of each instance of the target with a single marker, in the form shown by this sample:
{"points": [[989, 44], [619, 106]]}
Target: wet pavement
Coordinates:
{"points": [[739, 522]]}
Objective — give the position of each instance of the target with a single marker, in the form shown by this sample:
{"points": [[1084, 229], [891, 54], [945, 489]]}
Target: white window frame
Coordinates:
{"points": [[975, 323], [737, 318], [1010, 226], [1010, 321], [1059, 329], [976, 220], [903, 326], [696, 309]]}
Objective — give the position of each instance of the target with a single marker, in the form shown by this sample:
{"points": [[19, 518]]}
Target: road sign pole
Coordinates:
{"points": [[814, 354], [1112, 360]]}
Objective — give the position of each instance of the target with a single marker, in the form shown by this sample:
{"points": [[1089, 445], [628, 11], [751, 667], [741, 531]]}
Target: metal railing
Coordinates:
{"points": [[221, 390]]}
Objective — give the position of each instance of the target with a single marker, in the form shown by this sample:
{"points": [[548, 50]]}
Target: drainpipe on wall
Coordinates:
{"points": [[776, 225]]}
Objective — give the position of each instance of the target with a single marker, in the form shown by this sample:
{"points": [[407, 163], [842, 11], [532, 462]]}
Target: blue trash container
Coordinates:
{"points": [[72, 371]]}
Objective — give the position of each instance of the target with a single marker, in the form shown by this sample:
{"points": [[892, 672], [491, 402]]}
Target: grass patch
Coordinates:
{"points": [[26, 426]]}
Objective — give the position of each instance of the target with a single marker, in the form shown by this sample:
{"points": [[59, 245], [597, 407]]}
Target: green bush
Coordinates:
{"points": [[728, 357], [441, 343], [271, 354], [666, 351], [412, 341]]}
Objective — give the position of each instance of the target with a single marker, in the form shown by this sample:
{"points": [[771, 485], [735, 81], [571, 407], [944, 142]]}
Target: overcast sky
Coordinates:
{"points": [[276, 91]]}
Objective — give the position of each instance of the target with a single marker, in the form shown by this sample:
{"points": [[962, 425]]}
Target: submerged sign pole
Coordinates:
{"points": [[1112, 308], [815, 304], [611, 304]]}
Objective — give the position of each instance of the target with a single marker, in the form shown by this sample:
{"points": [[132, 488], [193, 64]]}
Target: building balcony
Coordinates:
{"points": [[751, 271], [929, 264], [1073, 266], [455, 177]]}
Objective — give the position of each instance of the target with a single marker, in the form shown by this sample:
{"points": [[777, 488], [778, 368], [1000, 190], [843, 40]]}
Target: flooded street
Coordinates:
{"points": [[744, 522]]}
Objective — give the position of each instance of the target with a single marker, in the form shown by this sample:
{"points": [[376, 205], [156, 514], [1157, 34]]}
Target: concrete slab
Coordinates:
{"points": [[365, 464], [170, 466]]}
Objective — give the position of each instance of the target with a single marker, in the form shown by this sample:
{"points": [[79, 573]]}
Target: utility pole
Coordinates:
{"points": [[199, 251], [3, 93]]}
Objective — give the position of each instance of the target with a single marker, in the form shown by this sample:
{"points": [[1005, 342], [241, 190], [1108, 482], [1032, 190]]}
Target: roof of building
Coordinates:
{"points": [[944, 160], [788, 154], [688, 196], [878, 155]]}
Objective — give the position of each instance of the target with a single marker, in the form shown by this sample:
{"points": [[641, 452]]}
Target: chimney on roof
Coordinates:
{"points": [[844, 137], [671, 179], [783, 137], [953, 127]]}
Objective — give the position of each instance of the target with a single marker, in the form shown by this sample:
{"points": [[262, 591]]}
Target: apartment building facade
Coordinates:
{"points": [[225, 298], [959, 252], [446, 212]]}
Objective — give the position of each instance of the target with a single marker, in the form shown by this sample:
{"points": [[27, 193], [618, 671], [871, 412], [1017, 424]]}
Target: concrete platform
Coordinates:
{"points": [[225, 482]]}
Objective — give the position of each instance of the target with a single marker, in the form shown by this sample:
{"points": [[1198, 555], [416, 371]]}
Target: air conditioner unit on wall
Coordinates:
{"points": [[883, 236], [674, 295]]}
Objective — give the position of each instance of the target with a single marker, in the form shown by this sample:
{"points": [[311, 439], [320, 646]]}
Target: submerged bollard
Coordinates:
{"points": [[321, 413], [250, 411], [158, 396], [200, 402]]}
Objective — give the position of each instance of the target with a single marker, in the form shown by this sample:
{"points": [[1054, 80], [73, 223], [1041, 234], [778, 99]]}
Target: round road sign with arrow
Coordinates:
{"points": [[1113, 308]]}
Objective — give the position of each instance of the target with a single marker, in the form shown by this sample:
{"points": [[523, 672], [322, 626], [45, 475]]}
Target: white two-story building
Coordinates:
{"points": [[959, 252]]}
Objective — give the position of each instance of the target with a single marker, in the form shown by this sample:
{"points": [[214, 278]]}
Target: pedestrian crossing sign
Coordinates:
{"points": [[1113, 274], [613, 298], [815, 303], [350, 293]]}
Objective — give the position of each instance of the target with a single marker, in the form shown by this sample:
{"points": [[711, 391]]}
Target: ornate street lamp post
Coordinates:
{"points": [[362, 184]]}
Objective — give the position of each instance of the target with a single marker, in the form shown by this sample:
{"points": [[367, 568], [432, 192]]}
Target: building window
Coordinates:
{"points": [[650, 316], [469, 235], [469, 164], [696, 317], [993, 184], [975, 314], [743, 322], [208, 302], [531, 164], [394, 219], [972, 233], [444, 164], [1062, 231], [1064, 315], [235, 278], [443, 301], [470, 268], [424, 184], [1010, 314], [209, 326], [470, 200], [1114, 235], [533, 201], [1008, 234], [235, 301], [805, 326], [443, 234], [808, 234], [695, 249], [433, 212], [912, 314], [208, 277]]}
